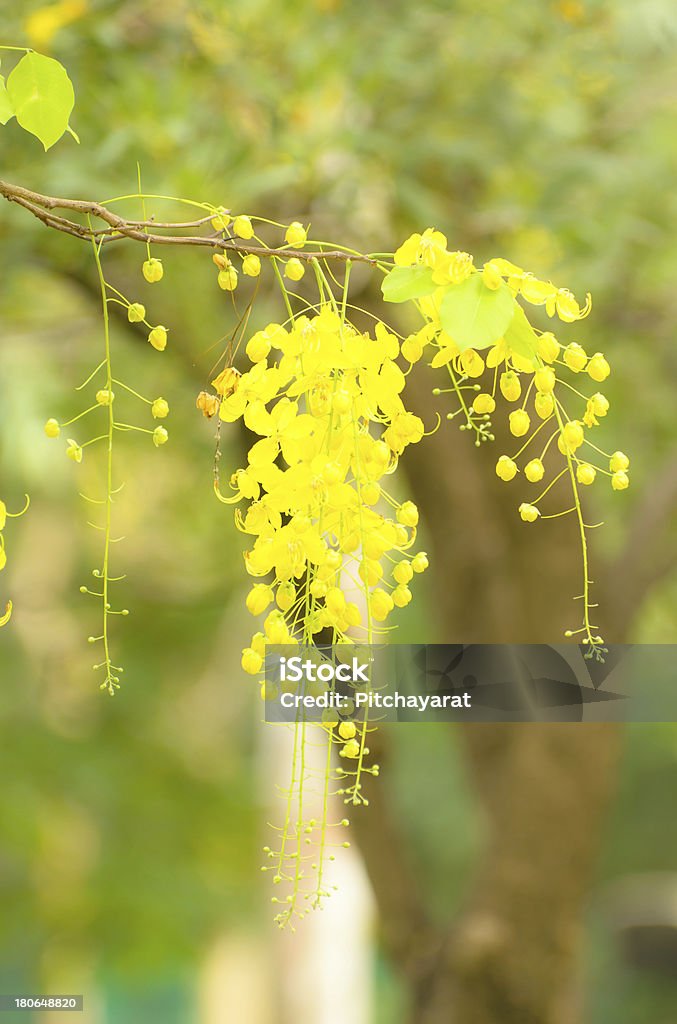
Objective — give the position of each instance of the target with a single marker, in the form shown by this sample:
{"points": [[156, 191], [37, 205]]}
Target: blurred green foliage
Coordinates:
{"points": [[543, 131]]}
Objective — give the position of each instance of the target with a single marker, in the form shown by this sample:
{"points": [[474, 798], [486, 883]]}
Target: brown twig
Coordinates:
{"points": [[42, 208]]}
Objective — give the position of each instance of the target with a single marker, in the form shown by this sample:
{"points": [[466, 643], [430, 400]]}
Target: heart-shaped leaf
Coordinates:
{"points": [[403, 283], [42, 97], [476, 316]]}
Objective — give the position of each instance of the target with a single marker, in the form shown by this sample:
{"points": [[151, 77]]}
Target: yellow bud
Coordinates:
{"points": [[258, 347], [158, 338], [585, 473], [294, 269], [491, 276], [370, 571], [347, 730], [136, 312], [153, 270], [258, 598], [105, 397], [575, 357], [510, 386], [74, 451], [412, 349], [285, 596], [401, 596], [534, 471], [598, 368], [251, 265], [370, 493], [544, 405], [222, 219], [160, 436], [505, 468], [335, 601], [351, 749], [403, 571], [484, 403], [252, 661], [419, 562], [227, 279], [619, 462], [620, 480], [573, 435], [160, 409], [519, 422], [600, 404], [544, 379], [407, 514], [529, 513], [381, 604], [296, 235], [52, 428], [548, 347], [242, 227]]}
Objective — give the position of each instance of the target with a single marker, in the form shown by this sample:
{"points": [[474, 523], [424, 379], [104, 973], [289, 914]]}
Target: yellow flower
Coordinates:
{"points": [[548, 347], [544, 405], [484, 403], [294, 269], [519, 422], [428, 248], [160, 409], [585, 473], [296, 234], [510, 386], [534, 471], [227, 279], [158, 338], [153, 270], [252, 661], [242, 227], [251, 265], [575, 357], [620, 480], [598, 368], [74, 451], [505, 468], [52, 428], [619, 462], [160, 436], [529, 513]]}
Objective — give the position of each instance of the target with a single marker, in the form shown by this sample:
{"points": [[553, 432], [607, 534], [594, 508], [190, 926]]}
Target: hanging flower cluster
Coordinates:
{"points": [[476, 329]]}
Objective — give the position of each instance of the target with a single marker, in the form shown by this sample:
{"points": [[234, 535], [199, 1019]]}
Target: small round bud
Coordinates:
{"points": [[294, 269], [153, 270], [505, 468], [407, 514], [620, 480], [534, 471], [529, 513], [221, 220], [243, 227], [74, 451], [160, 409], [585, 473], [575, 357], [158, 338], [296, 234], [251, 661], [598, 368], [52, 428], [136, 312], [619, 461], [519, 422], [160, 436], [251, 265], [105, 397], [227, 279], [347, 730], [419, 562], [484, 403], [510, 386]]}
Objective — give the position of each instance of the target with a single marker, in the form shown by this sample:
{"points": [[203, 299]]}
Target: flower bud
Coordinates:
{"points": [[483, 403], [412, 349], [252, 661], [544, 406], [222, 219], [160, 436], [227, 381], [401, 596], [548, 347], [491, 276], [585, 473], [136, 312], [573, 435], [381, 604], [160, 409], [575, 357], [419, 562], [544, 379], [158, 338], [519, 422], [296, 235], [620, 480], [598, 368], [52, 428], [510, 386], [258, 598], [600, 404], [619, 462], [242, 227], [294, 269], [74, 451], [227, 279], [403, 571], [351, 749], [505, 468], [347, 730], [285, 596], [529, 513], [105, 397], [258, 347], [251, 265], [407, 514], [153, 270], [534, 471]]}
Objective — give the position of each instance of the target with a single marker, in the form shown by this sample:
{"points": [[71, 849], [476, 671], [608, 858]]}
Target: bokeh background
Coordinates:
{"points": [[130, 829]]}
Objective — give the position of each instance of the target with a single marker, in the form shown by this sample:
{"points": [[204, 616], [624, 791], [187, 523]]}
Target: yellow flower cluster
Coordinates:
{"points": [[325, 401]]}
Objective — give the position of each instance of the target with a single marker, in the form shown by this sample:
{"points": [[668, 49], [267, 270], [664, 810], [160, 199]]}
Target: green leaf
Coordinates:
{"points": [[476, 316], [403, 283], [6, 108], [520, 335], [42, 96]]}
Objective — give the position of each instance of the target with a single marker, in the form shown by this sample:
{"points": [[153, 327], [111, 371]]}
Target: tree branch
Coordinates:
{"points": [[42, 208]]}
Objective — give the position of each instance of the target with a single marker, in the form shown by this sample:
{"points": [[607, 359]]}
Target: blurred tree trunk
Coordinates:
{"points": [[512, 956]]}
